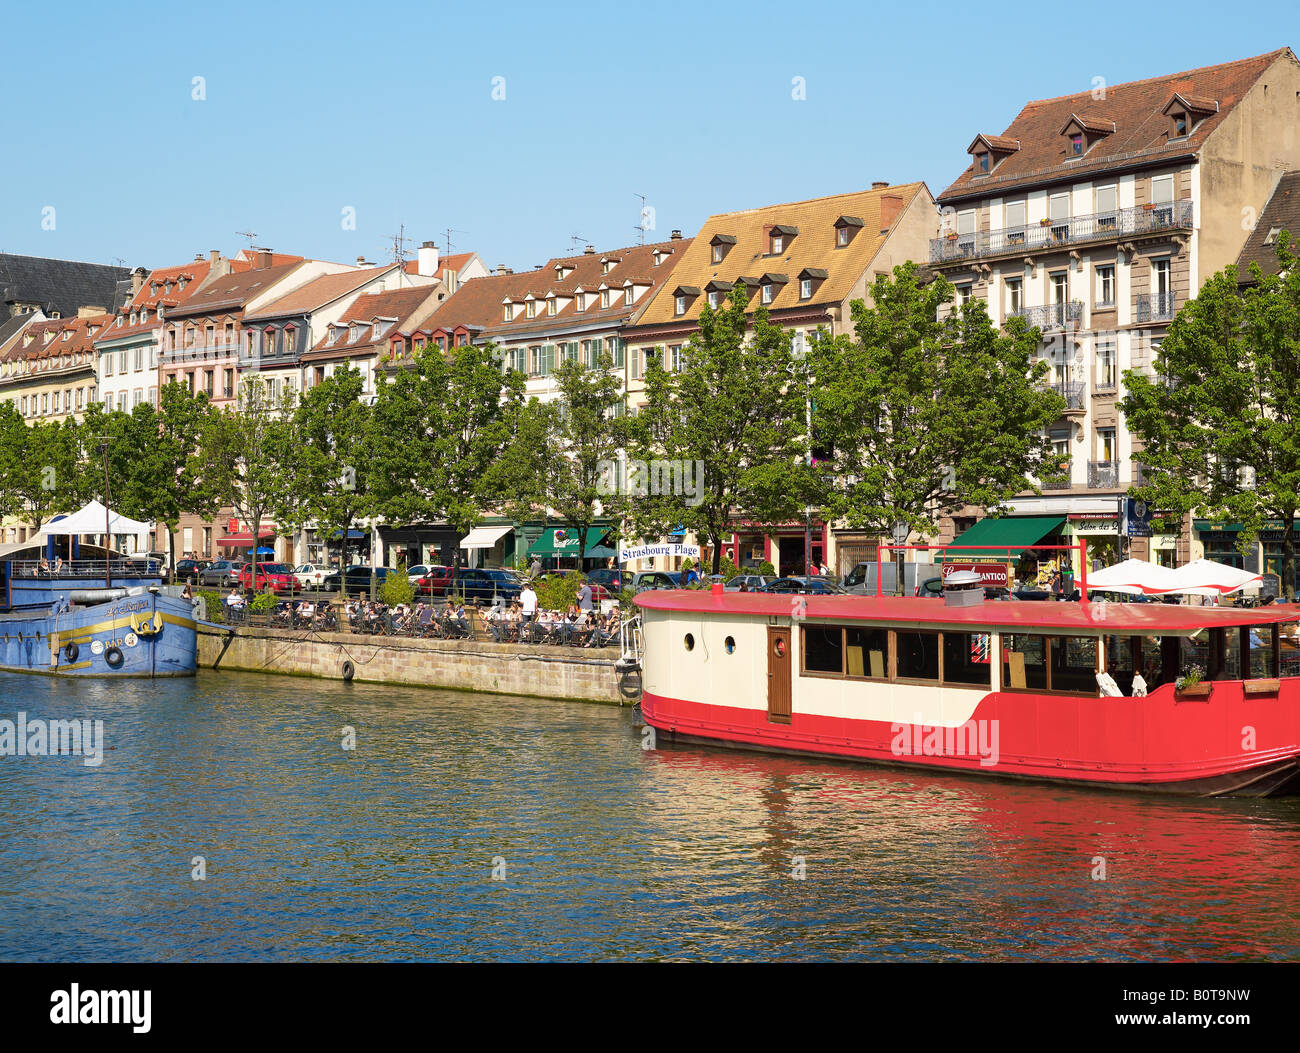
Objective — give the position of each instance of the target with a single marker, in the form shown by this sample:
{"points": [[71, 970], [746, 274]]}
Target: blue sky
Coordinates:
{"points": [[387, 109]]}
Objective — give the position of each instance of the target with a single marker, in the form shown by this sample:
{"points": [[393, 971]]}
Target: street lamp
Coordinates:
{"points": [[900, 530]]}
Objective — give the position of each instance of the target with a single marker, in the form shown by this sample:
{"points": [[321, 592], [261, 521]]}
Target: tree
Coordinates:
{"points": [[333, 443], [50, 478], [14, 439], [924, 414], [249, 453], [562, 458], [723, 435], [1219, 422], [438, 429]]}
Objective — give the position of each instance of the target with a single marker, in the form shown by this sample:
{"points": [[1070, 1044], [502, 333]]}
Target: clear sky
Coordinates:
{"points": [[388, 109]]}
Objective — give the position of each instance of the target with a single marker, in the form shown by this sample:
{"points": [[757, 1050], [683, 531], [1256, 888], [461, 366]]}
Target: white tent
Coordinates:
{"points": [[1204, 577], [90, 520], [1133, 577]]}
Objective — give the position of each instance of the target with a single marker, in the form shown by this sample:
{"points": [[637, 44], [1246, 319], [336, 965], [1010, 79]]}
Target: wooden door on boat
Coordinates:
{"points": [[778, 675]]}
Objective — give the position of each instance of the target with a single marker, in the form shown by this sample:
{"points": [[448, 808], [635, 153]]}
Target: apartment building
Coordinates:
{"points": [[805, 262], [1096, 216], [48, 368]]}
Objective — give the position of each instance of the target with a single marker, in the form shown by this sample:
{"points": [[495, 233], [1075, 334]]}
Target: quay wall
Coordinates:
{"points": [[583, 674]]}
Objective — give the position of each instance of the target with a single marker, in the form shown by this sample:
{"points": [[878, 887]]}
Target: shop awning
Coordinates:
{"points": [[1015, 533], [563, 541], [485, 536], [244, 540]]}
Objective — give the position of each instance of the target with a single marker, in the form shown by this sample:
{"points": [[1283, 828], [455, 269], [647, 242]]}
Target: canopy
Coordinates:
{"points": [[90, 520], [1204, 577], [245, 540], [563, 541], [485, 536], [1016, 533], [1133, 577]]}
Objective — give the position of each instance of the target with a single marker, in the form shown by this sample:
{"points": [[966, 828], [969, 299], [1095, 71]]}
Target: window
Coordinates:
{"points": [[778, 244], [1076, 144], [805, 288], [550, 305], [717, 254], [207, 381], [139, 357], [291, 340], [1180, 125], [1015, 222], [1060, 287], [675, 358], [1107, 372], [1162, 198], [228, 383], [531, 311], [916, 655], [1161, 281], [823, 649], [604, 299], [982, 160], [1058, 213], [841, 237], [137, 397], [1024, 662], [967, 659], [1106, 286], [1107, 206], [680, 303], [121, 362], [506, 313], [963, 294], [628, 296], [1014, 295], [768, 288], [1106, 445], [713, 297], [153, 397], [108, 365]]}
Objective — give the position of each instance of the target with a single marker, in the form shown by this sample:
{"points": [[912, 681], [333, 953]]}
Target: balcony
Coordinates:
{"points": [[1053, 234], [1052, 315], [1056, 480], [1155, 307], [1103, 475], [1142, 475], [197, 353], [1075, 394]]}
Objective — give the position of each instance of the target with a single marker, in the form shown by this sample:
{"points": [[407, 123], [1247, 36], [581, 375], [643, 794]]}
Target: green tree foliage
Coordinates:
{"points": [[924, 414], [439, 427], [1219, 422], [737, 409]]}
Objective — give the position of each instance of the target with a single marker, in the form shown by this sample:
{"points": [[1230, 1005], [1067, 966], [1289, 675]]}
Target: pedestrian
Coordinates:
{"points": [[187, 593], [535, 570], [528, 605], [584, 597]]}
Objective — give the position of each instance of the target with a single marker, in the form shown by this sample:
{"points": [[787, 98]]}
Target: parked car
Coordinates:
{"points": [[434, 580], [812, 586], [477, 583], [609, 578], [188, 570], [656, 579], [310, 575], [149, 563], [222, 573], [355, 579], [414, 574], [752, 582], [278, 577]]}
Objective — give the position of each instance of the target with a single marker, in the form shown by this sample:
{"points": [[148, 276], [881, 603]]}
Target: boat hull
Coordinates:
{"points": [[1112, 743], [146, 635]]}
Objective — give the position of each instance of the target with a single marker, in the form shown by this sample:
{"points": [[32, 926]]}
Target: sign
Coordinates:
{"points": [[1270, 586], [1134, 517], [992, 575], [1094, 524], [625, 555]]}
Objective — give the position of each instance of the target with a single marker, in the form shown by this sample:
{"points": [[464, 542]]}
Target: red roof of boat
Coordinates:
{"points": [[1149, 618]]}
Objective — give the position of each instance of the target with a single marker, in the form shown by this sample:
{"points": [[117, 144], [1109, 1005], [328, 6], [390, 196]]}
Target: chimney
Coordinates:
{"points": [[218, 265], [428, 260], [137, 279], [590, 250], [890, 206], [879, 184], [676, 235], [198, 257], [90, 310], [502, 270], [263, 259]]}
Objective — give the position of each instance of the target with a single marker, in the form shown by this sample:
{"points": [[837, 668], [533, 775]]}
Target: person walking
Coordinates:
{"points": [[584, 597], [528, 608], [535, 570]]}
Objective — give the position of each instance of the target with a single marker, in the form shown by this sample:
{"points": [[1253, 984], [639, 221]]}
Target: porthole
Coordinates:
{"points": [[730, 644], [689, 641]]}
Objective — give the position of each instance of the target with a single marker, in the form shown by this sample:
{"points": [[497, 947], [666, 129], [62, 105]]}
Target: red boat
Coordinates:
{"points": [[1175, 699]]}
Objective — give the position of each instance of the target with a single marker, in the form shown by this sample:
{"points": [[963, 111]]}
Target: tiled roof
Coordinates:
{"points": [[454, 262], [153, 293], [814, 247], [318, 292], [11, 327], [246, 260], [405, 305], [479, 303], [1142, 132], [82, 333], [59, 286], [1282, 213], [231, 291]]}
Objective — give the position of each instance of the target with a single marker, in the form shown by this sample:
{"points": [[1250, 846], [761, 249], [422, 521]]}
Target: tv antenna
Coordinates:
{"points": [[251, 235], [574, 241], [399, 242], [640, 227], [447, 244]]}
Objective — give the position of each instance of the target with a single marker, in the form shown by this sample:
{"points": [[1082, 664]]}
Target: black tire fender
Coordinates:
{"points": [[113, 656], [71, 651], [349, 670]]}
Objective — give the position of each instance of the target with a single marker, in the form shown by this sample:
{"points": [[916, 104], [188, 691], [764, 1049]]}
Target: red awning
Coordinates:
{"points": [[244, 540]]}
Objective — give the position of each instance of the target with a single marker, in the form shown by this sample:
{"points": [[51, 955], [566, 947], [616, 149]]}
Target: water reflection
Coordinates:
{"points": [[609, 851]]}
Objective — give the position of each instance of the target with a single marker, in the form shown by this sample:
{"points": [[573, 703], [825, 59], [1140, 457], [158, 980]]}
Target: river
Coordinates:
{"points": [[483, 827]]}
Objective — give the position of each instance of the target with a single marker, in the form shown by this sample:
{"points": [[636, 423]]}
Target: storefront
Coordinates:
{"points": [[1010, 540], [782, 545], [557, 548], [1222, 544], [422, 544]]}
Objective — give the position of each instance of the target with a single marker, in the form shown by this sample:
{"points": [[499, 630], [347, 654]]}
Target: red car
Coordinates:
{"points": [[278, 577], [435, 582]]}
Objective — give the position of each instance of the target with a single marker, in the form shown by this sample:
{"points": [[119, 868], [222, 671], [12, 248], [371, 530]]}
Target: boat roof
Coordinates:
{"points": [[1090, 618]]}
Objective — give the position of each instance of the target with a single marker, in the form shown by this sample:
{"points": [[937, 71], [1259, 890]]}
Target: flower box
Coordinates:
{"points": [[1199, 690], [1262, 687]]}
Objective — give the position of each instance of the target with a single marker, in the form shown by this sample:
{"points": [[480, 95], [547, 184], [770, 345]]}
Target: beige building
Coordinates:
{"points": [[1096, 217]]}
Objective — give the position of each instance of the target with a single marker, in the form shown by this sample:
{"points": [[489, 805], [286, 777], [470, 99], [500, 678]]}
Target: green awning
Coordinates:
{"points": [[1015, 532], [563, 541]]}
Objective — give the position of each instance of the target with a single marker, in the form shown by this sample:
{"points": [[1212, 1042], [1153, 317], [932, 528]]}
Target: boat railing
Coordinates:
{"points": [[76, 569], [631, 643]]}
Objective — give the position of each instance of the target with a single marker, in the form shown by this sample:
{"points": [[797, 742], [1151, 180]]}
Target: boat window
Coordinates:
{"points": [[918, 655], [1264, 652], [689, 641], [867, 652], [1024, 662], [730, 644], [1121, 652], [823, 649], [967, 658], [1074, 664]]}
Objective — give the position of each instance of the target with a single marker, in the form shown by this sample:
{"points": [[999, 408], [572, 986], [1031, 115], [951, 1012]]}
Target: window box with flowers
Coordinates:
{"points": [[1192, 684]]}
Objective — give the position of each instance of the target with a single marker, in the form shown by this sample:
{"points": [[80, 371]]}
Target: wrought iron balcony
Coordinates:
{"points": [[1103, 475], [1074, 392], [1142, 474], [1155, 307], [1058, 479], [1052, 315], [1051, 234]]}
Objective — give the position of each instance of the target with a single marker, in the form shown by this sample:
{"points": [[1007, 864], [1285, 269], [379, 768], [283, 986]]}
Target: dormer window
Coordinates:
{"points": [[683, 295], [779, 238], [1180, 124], [1076, 144], [629, 296], [134, 316], [608, 263], [717, 290], [659, 256], [579, 302], [530, 310], [810, 279], [982, 160], [768, 293], [354, 331], [721, 244], [846, 229], [604, 299], [507, 312], [989, 151], [550, 305], [1083, 131], [679, 302], [1185, 112]]}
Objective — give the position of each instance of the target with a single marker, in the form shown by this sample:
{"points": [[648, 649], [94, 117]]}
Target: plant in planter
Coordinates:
{"points": [[1192, 676]]}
